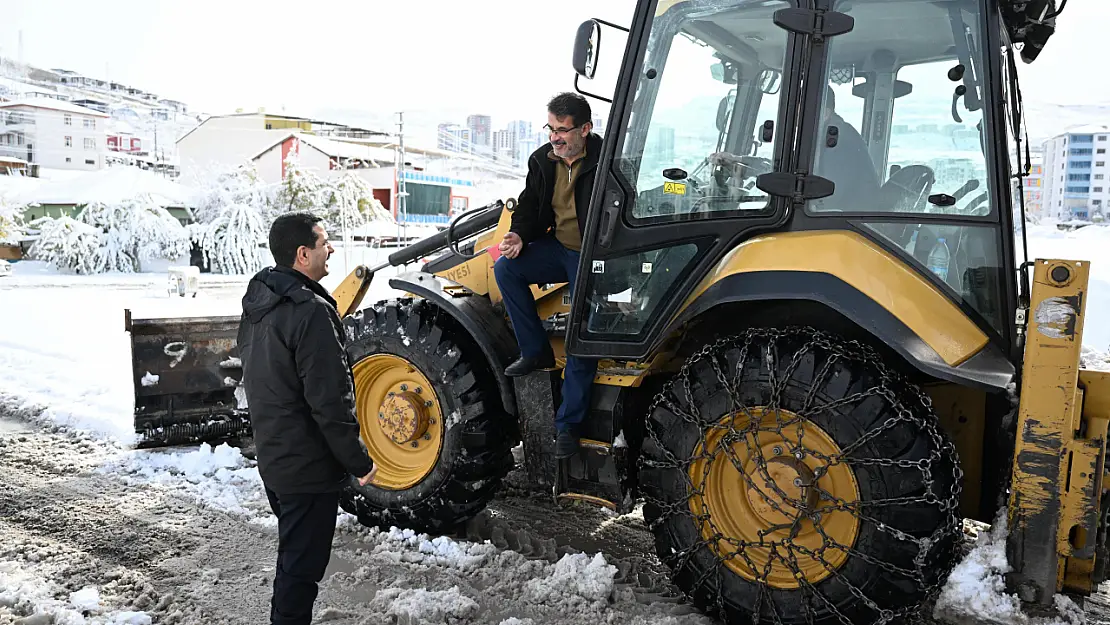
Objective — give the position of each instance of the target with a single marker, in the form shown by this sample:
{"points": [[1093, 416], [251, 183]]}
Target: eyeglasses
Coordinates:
{"points": [[559, 131]]}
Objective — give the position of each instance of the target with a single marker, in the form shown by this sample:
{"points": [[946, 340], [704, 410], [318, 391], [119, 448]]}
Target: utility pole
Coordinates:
{"points": [[402, 194]]}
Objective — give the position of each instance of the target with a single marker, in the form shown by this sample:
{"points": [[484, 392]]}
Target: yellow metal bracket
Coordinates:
{"points": [[1057, 482]]}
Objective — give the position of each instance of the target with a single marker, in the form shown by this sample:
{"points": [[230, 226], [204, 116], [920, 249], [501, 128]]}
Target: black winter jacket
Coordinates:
{"points": [[300, 393], [533, 215]]}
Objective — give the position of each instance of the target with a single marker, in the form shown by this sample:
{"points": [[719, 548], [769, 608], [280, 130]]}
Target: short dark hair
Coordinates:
{"points": [[289, 232], [572, 105]]}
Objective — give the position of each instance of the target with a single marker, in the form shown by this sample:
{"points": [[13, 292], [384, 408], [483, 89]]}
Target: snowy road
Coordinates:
{"points": [[93, 533], [68, 527]]}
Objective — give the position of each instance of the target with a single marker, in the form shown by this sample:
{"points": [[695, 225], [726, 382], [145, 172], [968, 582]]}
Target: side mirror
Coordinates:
{"points": [[587, 45], [722, 111], [770, 81]]}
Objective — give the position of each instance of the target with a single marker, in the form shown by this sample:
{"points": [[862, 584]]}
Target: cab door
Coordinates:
{"points": [[702, 119]]}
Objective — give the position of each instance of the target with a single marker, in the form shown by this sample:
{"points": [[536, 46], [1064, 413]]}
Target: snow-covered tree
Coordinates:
{"points": [[301, 190], [225, 187], [233, 213], [11, 220], [231, 242], [133, 231], [67, 244]]}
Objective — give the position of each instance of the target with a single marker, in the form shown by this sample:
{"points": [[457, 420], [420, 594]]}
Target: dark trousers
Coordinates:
{"points": [[545, 261], [306, 524]]}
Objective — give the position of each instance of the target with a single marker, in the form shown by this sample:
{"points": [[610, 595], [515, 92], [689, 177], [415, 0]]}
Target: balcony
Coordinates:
{"points": [[18, 122]]}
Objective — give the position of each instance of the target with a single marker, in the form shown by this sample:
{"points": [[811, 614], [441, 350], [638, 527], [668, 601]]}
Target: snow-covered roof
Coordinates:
{"points": [[55, 105], [111, 185], [1087, 129], [336, 149], [343, 149]]}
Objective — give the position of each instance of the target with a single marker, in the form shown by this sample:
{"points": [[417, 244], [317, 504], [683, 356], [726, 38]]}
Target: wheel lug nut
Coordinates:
{"points": [[404, 387], [776, 450], [427, 437], [428, 404], [415, 444], [419, 390]]}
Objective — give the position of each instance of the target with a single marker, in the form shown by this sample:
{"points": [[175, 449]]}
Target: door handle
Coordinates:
{"points": [[610, 213]]}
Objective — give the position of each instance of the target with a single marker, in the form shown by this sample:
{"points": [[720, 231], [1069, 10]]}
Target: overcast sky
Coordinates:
{"points": [[431, 58]]}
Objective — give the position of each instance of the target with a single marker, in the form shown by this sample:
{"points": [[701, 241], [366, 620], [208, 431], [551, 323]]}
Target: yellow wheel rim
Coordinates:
{"points": [[760, 534], [400, 419]]}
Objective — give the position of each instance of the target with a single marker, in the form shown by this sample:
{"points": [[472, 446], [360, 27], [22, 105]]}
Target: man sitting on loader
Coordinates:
{"points": [[543, 246]]}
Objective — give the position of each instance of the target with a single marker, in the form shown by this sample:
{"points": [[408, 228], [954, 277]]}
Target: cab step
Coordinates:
{"points": [[602, 471]]}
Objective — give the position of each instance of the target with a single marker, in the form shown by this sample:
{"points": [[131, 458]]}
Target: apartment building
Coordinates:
{"points": [[53, 134], [1075, 173]]}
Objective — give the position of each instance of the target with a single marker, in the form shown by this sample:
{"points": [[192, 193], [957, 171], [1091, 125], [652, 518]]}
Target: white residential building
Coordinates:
{"points": [[1076, 170], [53, 134]]}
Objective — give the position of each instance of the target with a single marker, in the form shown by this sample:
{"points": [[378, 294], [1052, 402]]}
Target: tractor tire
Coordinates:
{"points": [[468, 437], [791, 477]]}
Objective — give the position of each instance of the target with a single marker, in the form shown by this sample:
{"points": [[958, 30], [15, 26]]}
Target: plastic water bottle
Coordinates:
{"points": [[938, 259]]}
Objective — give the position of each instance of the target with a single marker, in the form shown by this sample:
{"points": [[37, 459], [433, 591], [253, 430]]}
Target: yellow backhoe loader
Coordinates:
{"points": [[819, 349]]}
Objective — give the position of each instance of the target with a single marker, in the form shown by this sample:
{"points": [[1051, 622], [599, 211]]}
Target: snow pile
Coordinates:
{"points": [[219, 477], [575, 575], [405, 545], [975, 592], [23, 593], [420, 605]]}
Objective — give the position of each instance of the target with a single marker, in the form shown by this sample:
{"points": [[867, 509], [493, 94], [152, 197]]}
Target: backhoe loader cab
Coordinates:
{"points": [[818, 352]]}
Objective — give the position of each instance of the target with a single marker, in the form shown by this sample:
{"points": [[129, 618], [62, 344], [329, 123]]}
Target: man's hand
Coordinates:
{"points": [[511, 245], [369, 477]]}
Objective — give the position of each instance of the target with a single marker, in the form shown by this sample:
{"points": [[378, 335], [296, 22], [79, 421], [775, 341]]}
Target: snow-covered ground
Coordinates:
{"points": [[65, 361]]}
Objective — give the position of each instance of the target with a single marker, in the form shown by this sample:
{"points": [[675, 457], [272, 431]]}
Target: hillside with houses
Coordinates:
{"points": [[81, 156]]}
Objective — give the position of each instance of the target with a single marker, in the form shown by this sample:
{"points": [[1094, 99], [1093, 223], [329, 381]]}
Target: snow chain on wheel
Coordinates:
{"points": [[430, 418], [791, 477]]}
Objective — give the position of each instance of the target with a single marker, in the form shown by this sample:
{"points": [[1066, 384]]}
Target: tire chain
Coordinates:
{"points": [[785, 551]]}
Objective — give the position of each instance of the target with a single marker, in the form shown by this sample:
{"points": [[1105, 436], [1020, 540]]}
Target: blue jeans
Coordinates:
{"points": [[545, 261]]}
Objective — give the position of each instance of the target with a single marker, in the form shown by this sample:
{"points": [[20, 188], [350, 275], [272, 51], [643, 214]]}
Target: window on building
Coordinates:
{"points": [[1102, 138], [68, 120], [1100, 151], [1098, 189], [89, 161], [69, 142], [1100, 163], [69, 160], [1099, 176], [1096, 202], [90, 144]]}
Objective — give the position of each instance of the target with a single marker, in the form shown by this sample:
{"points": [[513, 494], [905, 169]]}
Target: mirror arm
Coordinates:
{"points": [[587, 93], [610, 24]]}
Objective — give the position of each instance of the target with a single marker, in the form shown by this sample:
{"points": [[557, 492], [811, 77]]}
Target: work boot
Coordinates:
{"points": [[525, 365], [566, 445]]}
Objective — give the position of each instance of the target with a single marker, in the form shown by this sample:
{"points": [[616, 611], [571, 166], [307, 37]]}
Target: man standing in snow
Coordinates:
{"points": [[301, 401]]}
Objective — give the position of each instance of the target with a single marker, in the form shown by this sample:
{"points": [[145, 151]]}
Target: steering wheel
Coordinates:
{"points": [[907, 190]]}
